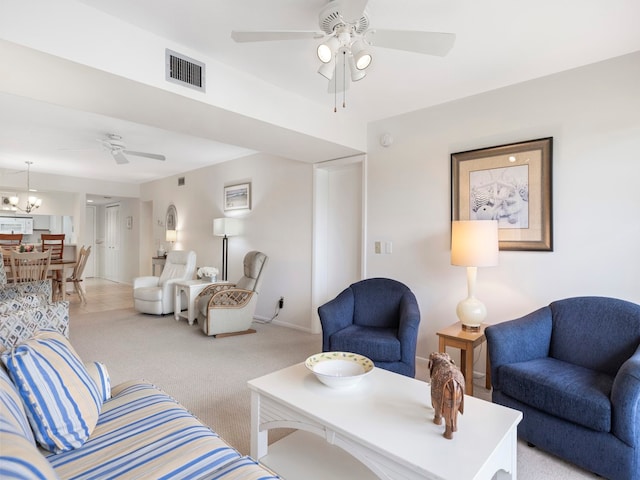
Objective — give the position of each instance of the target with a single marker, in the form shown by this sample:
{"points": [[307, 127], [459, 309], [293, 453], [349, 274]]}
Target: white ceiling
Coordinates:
{"points": [[499, 42]]}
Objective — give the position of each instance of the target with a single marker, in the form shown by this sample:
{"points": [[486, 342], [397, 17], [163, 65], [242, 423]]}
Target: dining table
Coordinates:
{"points": [[57, 269]]}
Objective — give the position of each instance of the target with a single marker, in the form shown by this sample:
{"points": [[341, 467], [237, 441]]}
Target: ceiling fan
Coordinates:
{"points": [[116, 146], [346, 37]]}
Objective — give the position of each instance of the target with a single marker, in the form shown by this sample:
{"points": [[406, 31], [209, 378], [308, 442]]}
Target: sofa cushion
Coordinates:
{"points": [[61, 400], [379, 343], [100, 376], [11, 407], [18, 326], [567, 391], [143, 432], [20, 458]]}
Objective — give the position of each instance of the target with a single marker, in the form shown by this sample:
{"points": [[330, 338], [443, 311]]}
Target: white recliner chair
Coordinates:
{"points": [[155, 295], [227, 309]]}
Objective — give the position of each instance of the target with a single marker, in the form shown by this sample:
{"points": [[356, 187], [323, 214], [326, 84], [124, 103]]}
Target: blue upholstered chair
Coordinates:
{"points": [[377, 318], [573, 369]]}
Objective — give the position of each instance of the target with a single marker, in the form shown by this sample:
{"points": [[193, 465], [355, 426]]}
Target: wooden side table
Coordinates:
{"points": [[454, 336], [191, 289]]}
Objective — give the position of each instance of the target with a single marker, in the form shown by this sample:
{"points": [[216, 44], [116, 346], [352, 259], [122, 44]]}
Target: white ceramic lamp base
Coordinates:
{"points": [[471, 313]]}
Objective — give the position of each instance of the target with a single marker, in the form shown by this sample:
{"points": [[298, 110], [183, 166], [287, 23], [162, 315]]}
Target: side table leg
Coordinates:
{"points": [[468, 369], [176, 303]]}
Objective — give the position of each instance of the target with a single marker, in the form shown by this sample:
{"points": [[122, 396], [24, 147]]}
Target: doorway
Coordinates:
{"points": [[339, 229]]}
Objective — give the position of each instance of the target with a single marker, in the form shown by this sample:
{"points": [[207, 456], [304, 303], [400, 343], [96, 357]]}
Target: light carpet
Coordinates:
{"points": [[209, 375]]}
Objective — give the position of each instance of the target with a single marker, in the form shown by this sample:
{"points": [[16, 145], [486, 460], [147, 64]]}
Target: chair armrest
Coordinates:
{"points": [[408, 325], [519, 340], [335, 315], [142, 282], [625, 402], [230, 298]]}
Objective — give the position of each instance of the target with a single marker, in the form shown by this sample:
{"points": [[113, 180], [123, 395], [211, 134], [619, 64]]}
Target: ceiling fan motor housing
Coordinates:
{"points": [[331, 18]]}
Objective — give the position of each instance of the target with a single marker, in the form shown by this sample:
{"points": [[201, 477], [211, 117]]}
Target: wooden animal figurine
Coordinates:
{"points": [[447, 391]]}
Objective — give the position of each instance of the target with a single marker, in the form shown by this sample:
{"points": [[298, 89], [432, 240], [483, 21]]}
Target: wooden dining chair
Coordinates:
{"points": [[53, 242], [8, 241], [29, 266], [76, 275]]}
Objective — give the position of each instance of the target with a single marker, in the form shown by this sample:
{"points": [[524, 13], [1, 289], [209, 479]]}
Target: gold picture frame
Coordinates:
{"points": [[511, 184]]}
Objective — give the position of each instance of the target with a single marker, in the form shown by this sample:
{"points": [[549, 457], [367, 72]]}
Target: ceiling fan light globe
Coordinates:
{"points": [[327, 70], [14, 201], [356, 74], [360, 54], [327, 50], [363, 61]]}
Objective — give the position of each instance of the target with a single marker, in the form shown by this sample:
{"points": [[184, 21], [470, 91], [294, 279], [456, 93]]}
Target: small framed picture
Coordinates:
{"points": [[237, 197], [508, 183]]}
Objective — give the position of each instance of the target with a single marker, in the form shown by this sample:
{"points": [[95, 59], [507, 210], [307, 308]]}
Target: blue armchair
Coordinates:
{"points": [[377, 318], [573, 369]]}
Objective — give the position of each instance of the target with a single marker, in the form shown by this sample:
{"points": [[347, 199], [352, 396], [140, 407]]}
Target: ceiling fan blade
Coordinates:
{"points": [[119, 157], [269, 36], [154, 156], [429, 43], [352, 10]]}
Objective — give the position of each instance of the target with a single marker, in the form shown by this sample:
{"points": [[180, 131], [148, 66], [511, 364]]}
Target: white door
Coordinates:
{"points": [[112, 243], [90, 241]]}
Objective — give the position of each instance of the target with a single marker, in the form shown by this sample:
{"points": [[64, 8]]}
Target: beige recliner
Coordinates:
{"points": [[227, 309], [155, 295]]}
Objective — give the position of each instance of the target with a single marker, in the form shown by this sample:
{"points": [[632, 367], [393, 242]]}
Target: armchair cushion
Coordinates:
{"points": [[567, 391], [382, 344]]}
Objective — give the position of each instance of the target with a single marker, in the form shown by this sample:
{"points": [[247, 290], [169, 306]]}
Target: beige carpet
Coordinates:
{"points": [[208, 375]]}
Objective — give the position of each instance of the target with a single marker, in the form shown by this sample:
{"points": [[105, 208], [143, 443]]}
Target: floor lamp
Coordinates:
{"points": [[225, 227], [474, 243]]}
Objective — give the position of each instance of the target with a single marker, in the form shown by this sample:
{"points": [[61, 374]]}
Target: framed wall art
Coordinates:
{"points": [[171, 221], [237, 197], [508, 183]]}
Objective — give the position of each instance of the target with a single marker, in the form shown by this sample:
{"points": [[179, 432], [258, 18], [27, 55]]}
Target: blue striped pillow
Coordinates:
{"points": [[61, 400]]}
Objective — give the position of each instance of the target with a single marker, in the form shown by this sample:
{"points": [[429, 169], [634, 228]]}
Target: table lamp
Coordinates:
{"points": [[226, 227], [474, 243], [171, 236]]}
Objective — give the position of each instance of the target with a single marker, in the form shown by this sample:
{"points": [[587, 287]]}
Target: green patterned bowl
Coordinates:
{"points": [[339, 369]]}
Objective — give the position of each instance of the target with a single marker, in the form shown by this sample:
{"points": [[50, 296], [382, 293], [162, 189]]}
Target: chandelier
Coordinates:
{"points": [[33, 202]]}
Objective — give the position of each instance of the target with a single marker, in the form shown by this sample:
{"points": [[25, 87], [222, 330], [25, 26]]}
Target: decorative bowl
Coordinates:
{"points": [[339, 369]]}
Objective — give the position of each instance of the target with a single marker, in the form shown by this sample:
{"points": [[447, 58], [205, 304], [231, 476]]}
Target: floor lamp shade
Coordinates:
{"points": [[226, 227], [474, 243]]}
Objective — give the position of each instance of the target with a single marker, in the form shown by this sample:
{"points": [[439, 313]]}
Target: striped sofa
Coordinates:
{"points": [[60, 418]]}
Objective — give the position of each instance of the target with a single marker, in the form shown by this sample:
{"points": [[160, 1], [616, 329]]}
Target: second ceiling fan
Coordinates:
{"points": [[116, 146], [347, 37]]}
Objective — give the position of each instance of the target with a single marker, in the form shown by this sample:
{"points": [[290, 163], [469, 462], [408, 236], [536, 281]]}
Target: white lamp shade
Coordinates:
{"points": [[171, 236], [226, 226], [474, 243]]}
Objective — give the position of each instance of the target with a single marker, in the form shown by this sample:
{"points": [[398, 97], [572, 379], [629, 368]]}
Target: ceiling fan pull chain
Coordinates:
{"points": [[335, 93], [344, 79]]}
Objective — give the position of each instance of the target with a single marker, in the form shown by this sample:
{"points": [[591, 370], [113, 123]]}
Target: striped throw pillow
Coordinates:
{"points": [[61, 400]]}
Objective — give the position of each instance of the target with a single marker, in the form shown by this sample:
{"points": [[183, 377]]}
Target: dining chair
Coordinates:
{"points": [[10, 239], [76, 275], [53, 242], [29, 266]]}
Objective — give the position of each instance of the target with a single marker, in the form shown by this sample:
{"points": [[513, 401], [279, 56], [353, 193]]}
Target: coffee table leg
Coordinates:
{"points": [[259, 439]]}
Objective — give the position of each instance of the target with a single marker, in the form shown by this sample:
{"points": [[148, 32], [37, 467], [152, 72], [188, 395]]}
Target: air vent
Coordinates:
{"points": [[184, 71], [180, 181]]}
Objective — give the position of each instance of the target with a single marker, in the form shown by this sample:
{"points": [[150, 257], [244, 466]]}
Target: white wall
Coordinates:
{"points": [[279, 224], [592, 115]]}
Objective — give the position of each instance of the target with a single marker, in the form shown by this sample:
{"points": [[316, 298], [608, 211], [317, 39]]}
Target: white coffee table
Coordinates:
{"points": [[384, 423], [191, 289]]}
